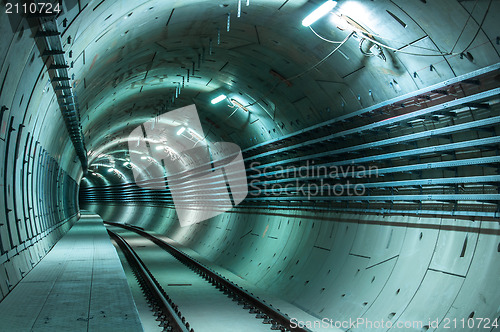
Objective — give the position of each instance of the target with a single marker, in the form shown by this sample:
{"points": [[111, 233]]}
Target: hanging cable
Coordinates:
{"points": [[465, 25], [361, 42], [405, 52], [322, 38], [322, 60], [479, 28], [407, 45], [440, 52], [364, 37], [369, 36], [304, 72], [374, 50]]}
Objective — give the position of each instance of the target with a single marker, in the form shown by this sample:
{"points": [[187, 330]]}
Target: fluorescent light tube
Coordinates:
{"points": [[319, 13], [218, 99], [180, 131]]}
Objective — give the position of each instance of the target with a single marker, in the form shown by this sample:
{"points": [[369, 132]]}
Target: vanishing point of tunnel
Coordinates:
{"points": [[249, 165]]}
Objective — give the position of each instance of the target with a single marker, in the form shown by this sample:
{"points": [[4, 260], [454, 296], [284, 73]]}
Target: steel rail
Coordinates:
{"points": [[271, 315], [133, 191], [460, 213], [395, 169], [417, 212], [168, 313]]}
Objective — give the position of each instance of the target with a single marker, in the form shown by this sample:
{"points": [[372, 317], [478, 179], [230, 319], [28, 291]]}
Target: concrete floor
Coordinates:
{"points": [[78, 286]]}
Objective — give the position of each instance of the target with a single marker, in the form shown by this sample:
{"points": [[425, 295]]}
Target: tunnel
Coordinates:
{"points": [[339, 159]]}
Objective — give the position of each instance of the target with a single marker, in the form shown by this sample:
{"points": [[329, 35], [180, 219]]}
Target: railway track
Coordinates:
{"points": [[182, 310]]}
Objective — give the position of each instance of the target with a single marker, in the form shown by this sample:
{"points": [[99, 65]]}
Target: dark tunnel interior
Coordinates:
{"points": [[353, 164]]}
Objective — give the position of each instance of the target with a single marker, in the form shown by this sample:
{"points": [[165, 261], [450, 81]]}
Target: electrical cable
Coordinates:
{"points": [[364, 36], [363, 33], [405, 52], [465, 25], [323, 38], [440, 52], [322, 60], [409, 45], [361, 42], [305, 71], [479, 28]]}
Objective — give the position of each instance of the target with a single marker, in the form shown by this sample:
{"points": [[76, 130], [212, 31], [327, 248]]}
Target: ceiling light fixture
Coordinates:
{"points": [[319, 13], [180, 131], [218, 99], [239, 105]]}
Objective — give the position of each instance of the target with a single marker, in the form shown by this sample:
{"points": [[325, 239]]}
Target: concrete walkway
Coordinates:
{"points": [[78, 286]]}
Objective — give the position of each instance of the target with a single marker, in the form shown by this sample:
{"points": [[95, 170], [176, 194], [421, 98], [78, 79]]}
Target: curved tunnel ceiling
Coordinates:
{"points": [[147, 50], [407, 87]]}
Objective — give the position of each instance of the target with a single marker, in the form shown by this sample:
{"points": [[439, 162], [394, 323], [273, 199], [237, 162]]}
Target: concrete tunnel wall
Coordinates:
{"points": [[40, 175], [331, 264], [341, 265]]}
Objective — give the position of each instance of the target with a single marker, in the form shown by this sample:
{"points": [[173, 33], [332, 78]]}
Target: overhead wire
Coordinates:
{"points": [[465, 25], [440, 53], [323, 38], [379, 36], [363, 35], [406, 52], [399, 50], [322, 60], [408, 45], [305, 71], [341, 43], [479, 28]]}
